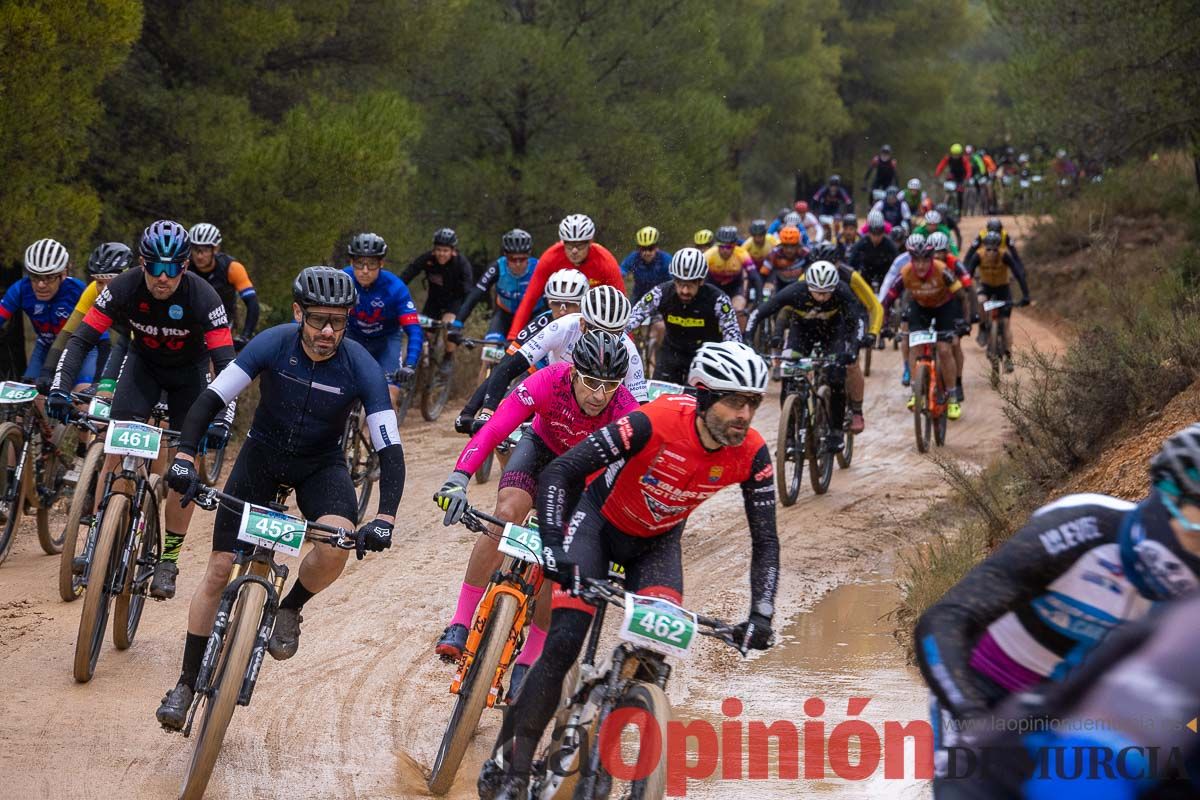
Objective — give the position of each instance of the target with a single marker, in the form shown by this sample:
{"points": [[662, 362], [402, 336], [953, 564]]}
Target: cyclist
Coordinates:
{"points": [[310, 377], [832, 198], [874, 253], [893, 208], [729, 267], [825, 313], [105, 263], [992, 267], [648, 264], [634, 514], [702, 239], [567, 402], [950, 221], [959, 170], [448, 276], [1032, 611], [564, 294], [225, 274], [694, 311], [47, 295], [848, 232], [785, 264], [511, 275], [180, 328], [574, 250], [934, 290], [933, 223], [778, 223], [384, 313], [1007, 245], [759, 243], [912, 194], [604, 308], [941, 252], [884, 166]]}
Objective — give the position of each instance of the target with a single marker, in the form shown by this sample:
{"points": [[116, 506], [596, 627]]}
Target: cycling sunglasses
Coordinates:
{"points": [[318, 321], [1167, 493], [597, 385], [740, 401], [159, 268]]}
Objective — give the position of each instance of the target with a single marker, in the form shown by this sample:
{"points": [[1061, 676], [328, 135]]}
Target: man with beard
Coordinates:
{"points": [[634, 514], [310, 379]]}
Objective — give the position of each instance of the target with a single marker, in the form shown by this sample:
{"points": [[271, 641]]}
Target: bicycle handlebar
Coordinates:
{"points": [[208, 498], [602, 590]]}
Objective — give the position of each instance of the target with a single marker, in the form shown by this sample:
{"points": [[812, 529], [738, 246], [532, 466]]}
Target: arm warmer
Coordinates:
{"points": [[252, 312]]}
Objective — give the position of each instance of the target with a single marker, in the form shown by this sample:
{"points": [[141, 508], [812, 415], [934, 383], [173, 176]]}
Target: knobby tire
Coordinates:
{"points": [[96, 597]]}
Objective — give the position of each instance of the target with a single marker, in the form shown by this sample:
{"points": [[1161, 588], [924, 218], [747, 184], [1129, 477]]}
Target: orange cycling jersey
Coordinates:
{"points": [[992, 268], [937, 288], [724, 271]]}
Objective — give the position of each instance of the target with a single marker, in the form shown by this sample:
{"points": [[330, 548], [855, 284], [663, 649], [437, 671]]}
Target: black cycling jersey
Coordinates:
{"points": [[873, 260], [842, 311], [885, 172], [218, 278], [448, 284], [709, 317], [179, 331]]}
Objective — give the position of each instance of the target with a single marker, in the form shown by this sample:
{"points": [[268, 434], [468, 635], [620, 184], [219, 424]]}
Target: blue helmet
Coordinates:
{"points": [[165, 240]]}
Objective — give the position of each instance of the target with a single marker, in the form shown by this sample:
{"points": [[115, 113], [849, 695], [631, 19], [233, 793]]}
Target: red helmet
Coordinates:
{"points": [[801, 207]]}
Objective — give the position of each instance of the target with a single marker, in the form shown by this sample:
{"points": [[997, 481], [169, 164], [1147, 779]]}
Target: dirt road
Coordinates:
{"points": [[364, 699]]}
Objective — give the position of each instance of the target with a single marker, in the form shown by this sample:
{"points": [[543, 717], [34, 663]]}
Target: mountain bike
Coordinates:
{"points": [[634, 677], [997, 326], [361, 458], [244, 621], [496, 637], [80, 512], [764, 330], [432, 381], [124, 542], [929, 411], [804, 425], [35, 456]]}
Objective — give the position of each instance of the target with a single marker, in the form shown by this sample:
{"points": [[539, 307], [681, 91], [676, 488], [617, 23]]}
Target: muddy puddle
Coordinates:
{"points": [[842, 649]]}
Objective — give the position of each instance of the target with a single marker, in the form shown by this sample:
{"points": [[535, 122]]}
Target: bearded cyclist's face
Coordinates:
{"points": [[728, 420], [202, 257], [687, 290], [162, 286], [320, 343]]}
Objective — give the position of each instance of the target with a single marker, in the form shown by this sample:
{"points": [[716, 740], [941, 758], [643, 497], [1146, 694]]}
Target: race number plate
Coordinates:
{"points": [[271, 529], [1024, 184], [790, 369], [951, 186], [656, 388], [13, 392], [424, 321], [922, 337], [99, 407], [992, 305], [492, 354], [520, 542], [133, 439], [658, 625]]}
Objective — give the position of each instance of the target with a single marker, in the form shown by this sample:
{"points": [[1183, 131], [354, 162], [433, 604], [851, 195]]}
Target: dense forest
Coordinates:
{"points": [[291, 124]]}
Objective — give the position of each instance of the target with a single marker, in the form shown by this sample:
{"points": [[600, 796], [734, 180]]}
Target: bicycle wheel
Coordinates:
{"points": [[54, 493], [473, 694], [436, 394], [922, 426], [484, 473], [127, 611], [361, 459], [219, 706], [789, 450], [652, 700], [79, 521], [820, 462], [11, 504], [993, 345], [845, 457], [208, 466], [105, 560]]}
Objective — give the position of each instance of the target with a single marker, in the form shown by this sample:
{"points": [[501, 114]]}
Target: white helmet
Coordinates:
{"points": [[576, 228], [932, 217], [607, 308], [566, 286], [204, 234], [793, 219], [728, 367], [914, 184], [938, 241], [821, 276], [875, 221], [46, 257], [688, 264]]}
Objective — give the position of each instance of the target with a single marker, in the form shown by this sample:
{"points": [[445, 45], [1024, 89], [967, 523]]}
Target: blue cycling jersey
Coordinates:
{"points": [[509, 288], [303, 405], [647, 276], [46, 317], [383, 308]]}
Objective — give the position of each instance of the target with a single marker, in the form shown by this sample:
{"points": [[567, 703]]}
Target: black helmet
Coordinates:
{"points": [[824, 251], [899, 234], [601, 355], [835, 179], [727, 234], [991, 239], [943, 209], [994, 224], [758, 227], [368, 244], [445, 237], [324, 286], [110, 258], [516, 241], [849, 219]]}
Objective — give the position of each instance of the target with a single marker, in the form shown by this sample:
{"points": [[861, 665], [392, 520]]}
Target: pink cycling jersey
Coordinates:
{"points": [[546, 395]]}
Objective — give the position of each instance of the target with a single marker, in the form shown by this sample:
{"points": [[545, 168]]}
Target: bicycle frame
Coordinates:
{"points": [[927, 354]]}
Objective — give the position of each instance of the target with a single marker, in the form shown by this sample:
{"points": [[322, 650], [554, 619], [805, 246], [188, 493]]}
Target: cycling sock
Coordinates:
{"points": [[172, 543], [468, 597], [297, 597], [193, 654], [533, 646]]}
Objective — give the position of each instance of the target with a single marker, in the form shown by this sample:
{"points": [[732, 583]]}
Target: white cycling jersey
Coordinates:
{"points": [[557, 340], [893, 274]]}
